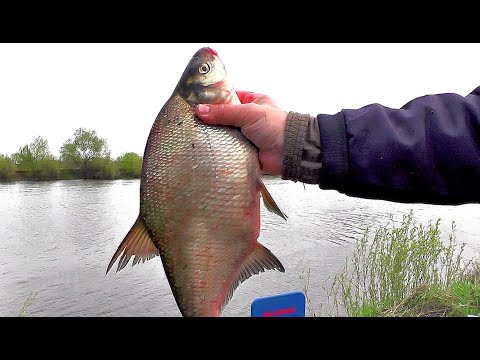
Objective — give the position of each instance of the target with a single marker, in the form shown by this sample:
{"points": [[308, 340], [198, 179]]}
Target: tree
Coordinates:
{"points": [[24, 159], [39, 149], [129, 165], [85, 152], [7, 168], [36, 161]]}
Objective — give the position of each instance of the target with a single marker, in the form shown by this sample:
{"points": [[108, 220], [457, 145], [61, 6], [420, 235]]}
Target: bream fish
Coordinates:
{"points": [[200, 195]]}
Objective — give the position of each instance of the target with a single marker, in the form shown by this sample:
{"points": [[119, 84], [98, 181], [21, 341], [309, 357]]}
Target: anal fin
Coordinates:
{"points": [[270, 203], [137, 242], [259, 260]]}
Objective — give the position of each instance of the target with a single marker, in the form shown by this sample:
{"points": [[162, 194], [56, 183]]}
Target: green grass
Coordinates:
{"points": [[27, 303], [460, 298], [405, 269]]}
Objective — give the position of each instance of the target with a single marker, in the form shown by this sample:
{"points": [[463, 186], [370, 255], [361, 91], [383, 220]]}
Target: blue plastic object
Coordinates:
{"points": [[291, 304]]}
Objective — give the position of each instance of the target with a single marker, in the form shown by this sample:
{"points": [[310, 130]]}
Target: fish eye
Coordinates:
{"points": [[204, 68]]}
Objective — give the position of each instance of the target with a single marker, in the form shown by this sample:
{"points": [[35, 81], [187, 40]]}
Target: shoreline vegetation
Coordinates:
{"points": [[84, 156], [405, 270]]}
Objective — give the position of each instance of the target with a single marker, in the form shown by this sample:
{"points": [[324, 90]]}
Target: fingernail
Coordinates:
{"points": [[203, 109]]}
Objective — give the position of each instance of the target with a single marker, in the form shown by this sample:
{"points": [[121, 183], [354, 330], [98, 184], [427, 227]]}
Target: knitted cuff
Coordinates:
{"points": [[301, 157]]}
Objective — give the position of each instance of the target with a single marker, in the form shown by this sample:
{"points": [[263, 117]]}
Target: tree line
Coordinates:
{"points": [[85, 156]]}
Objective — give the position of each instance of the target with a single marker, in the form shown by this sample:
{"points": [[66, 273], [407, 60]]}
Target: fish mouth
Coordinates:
{"points": [[219, 92], [221, 85], [225, 95]]}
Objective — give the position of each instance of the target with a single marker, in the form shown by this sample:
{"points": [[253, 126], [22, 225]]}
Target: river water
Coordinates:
{"points": [[57, 238]]}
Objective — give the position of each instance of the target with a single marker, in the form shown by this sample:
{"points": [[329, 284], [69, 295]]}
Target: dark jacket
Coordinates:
{"points": [[426, 151]]}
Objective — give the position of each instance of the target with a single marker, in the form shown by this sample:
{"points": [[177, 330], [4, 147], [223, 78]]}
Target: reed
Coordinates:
{"points": [[405, 269]]}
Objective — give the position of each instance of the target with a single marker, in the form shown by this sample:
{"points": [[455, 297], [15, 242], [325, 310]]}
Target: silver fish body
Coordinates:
{"points": [[200, 197]]}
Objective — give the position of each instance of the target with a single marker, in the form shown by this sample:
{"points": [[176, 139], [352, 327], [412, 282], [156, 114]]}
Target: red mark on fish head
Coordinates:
{"points": [[211, 51], [208, 50]]}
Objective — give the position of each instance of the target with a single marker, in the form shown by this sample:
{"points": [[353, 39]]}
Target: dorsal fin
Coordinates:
{"points": [[259, 260], [137, 242], [270, 203]]}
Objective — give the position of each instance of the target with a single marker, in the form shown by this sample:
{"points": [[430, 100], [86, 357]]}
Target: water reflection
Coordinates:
{"points": [[56, 238]]}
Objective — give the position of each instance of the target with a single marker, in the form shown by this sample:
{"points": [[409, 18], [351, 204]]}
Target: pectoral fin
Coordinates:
{"points": [[270, 203], [137, 242]]}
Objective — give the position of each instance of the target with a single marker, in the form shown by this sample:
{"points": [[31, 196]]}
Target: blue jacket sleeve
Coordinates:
{"points": [[427, 151]]}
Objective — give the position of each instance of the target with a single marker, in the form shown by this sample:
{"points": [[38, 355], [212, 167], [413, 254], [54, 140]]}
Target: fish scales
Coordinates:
{"points": [[200, 195], [205, 180]]}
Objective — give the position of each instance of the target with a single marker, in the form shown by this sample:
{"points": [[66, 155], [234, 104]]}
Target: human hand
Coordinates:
{"points": [[260, 120]]}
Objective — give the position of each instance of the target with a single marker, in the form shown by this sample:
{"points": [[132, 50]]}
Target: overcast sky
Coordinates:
{"points": [[50, 90]]}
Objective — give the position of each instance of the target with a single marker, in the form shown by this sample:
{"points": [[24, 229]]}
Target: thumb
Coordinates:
{"points": [[239, 115]]}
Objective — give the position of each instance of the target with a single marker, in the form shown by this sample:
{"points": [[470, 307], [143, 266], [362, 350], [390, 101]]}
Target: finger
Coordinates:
{"points": [[228, 114], [257, 98], [265, 100], [248, 96]]}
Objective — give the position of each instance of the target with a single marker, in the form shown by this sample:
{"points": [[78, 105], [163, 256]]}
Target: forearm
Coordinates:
{"points": [[427, 151]]}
